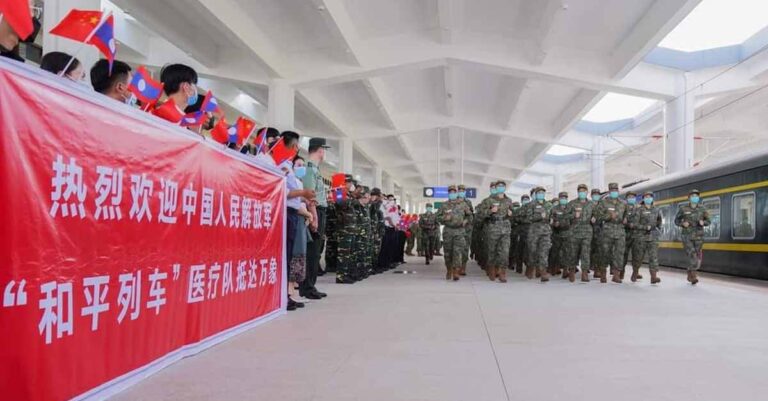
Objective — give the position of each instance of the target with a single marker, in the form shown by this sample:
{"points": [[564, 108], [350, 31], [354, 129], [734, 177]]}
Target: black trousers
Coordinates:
{"points": [[402, 240], [293, 220], [314, 249], [388, 246]]}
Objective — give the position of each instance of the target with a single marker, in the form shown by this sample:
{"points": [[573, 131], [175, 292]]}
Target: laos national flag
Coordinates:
{"points": [[194, 119], [144, 87], [339, 195], [104, 40], [261, 141], [210, 104]]}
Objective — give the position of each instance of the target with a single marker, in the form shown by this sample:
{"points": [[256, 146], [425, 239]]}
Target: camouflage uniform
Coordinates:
{"points": [[539, 239], [514, 237], [468, 236], [523, 226], [346, 231], [455, 216], [429, 228], [480, 231], [581, 234], [331, 240], [362, 239], [377, 226], [612, 214], [553, 250], [411, 240], [645, 230], [499, 231], [562, 220], [630, 238], [595, 257], [693, 235], [416, 229]]}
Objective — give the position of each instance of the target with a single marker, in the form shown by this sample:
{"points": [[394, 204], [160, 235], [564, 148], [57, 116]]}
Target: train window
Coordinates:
{"points": [[666, 228], [743, 218], [675, 230], [712, 205]]}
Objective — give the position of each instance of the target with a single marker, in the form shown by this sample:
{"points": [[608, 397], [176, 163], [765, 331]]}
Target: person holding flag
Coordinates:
{"points": [[180, 85], [16, 24], [64, 65], [145, 88], [114, 84]]}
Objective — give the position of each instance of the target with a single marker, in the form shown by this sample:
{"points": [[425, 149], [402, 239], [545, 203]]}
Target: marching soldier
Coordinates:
{"points": [[645, 226], [455, 216], [595, 256], [611, 212], [523, 225], [497, 215], [552, 259], [429, 228], [692, 218], [632, 208], [581, 232], [479, 230], [539, 235], [468, 237], [562, 219], [515, 237]]}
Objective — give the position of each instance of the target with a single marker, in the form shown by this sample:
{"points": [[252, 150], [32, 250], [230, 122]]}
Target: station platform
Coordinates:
{"points": [[417, 337]]}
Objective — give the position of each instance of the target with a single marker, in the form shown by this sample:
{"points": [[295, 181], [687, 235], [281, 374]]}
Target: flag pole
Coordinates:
{"points": [[104, 19]]}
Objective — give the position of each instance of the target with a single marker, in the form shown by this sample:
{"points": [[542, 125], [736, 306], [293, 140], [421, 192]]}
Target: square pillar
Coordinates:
{"points": [[281, 105]]}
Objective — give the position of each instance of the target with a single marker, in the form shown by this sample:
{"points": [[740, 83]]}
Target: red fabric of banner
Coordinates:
{"points": [[124, 240]]}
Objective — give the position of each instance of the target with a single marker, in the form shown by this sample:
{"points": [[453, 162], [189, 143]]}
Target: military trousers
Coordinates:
{"points": [[563, 250], [596, 254], [693, 251], [628, 250], [429, 239], [499, 234], [467, 241], [581, 252], [539, 244], [642, 249], [454, 242], [613, 250], [521, 248]]}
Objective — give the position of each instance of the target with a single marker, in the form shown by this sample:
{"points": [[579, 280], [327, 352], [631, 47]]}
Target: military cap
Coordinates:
{"points": [[694, 191], [493, 184], [318, 143], [647, 193], [515, 204], [562, 195], [501, 182], [538, 189], [376, 192], [595, 191], [349, 178], [462, 187], [613, 186], [525, 197], [631, 193], [555, 200], [452, 188], [364, 190], [429, 205], [582, 186]]}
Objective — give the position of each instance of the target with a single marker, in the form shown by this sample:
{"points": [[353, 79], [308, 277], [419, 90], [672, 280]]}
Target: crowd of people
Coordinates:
{"points": [[537, 237]]}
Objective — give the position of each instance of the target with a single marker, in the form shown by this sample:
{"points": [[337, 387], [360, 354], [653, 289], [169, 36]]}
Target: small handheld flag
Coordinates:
{"points": [[244, 129], [194, 119], [104, 40], [281, 153], [339, 195], [220, 133], [261, 141], [144, 87], [169, 112], [210, 104], [89, 26], [16, 12]]}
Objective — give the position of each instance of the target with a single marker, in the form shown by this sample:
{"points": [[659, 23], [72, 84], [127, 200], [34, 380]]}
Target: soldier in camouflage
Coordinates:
{"points": [[428, 224], [692, 218], [331, 237], [632, 208], [561, 222], [468, 237], [581, 232], [611, 212], [497, 215], [346, 217], [480, 233], [645, 226], [595, 256], [365, 241], [523, 225], [377, 226], [455, 216], [514, 238], [539, 235]]}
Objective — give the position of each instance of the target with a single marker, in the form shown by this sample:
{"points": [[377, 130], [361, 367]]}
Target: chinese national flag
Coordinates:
{"points": [[169, 112], [338, 180], [78, 25], [16, 12], [220, 132], [281, 153], [244, 129]]}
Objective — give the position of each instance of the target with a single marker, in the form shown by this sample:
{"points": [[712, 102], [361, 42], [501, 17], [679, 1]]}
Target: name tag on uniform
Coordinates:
{"points": [[538, 207], [559, 213], [686, 212], [611, 209], [578, 209]]}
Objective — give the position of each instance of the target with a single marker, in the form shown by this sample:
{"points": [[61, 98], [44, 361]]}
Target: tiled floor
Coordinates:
{"points": [[418, 337]]}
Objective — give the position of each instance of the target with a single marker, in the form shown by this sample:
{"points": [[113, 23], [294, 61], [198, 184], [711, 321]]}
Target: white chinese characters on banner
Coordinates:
{"points": [[129, 296], [156, 290], [109, 185], [56, 304], [141, 192], [96, 289], [169, 196], [66, 182]]}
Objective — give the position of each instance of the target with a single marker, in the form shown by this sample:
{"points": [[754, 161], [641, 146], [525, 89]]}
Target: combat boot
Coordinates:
{"points": [[603, 274], [463, 270], [529, 272], [448, 273], [571, 275], [596, 272], [538, 272], [502, 275], [456, 274], [491, 273], [585, 276], [621, 272], [634, 274], [544, 276], [565, 274], [654, 277], [694, 279], [616, 276], [519, 269]]}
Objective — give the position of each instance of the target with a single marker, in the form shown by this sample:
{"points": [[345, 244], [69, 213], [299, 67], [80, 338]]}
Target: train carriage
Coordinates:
{"points": [[735, 194]]}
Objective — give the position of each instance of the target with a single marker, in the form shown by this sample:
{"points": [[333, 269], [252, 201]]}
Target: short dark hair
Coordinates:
{"points": [[172, 76], [289, 137], [56, 61], [297, 158], [102, 80]]}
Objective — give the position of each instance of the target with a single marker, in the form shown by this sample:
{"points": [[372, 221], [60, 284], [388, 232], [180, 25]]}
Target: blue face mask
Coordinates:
{"points": [[648, 201], [540, 196], [596, 198], [563, 201], [500, 190], [526, 201], [582, 195], [453, 196], [429, 210], [493, 191], [695, 199], [615, 194], [300, 172], [631, 201], [192, 100], [462, 194]]}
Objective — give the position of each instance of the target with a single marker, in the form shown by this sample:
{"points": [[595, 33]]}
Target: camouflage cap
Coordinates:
{"points": [[429, 205], [462, 187], [376, 191], [365, 190], [631, 193], [582, 186], [613, 186], [525, 197], [596, 191], [348, 178], [533, 190], [493, 184], [647, 193], [562, 195], [555, 200], [501, 182], [515, 204], [539, 189], [452, 188], [694, 191]]}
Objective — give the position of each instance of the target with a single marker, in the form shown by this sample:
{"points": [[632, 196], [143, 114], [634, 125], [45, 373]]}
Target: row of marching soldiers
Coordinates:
{"points": [[361, 227], [546, 238]]}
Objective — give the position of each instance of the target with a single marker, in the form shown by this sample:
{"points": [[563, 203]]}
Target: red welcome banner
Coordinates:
{"points": [[126, 242]]}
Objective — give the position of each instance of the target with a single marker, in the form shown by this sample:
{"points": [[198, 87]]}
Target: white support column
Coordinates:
{"points": [[53, 13], [557, 183], [678, 129], [347, 158], [377, 177], [598, 163], [389, 185], [281, 105]]}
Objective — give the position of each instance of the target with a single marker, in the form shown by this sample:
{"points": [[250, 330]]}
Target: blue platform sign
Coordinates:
{"points": [[442, 192]]}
